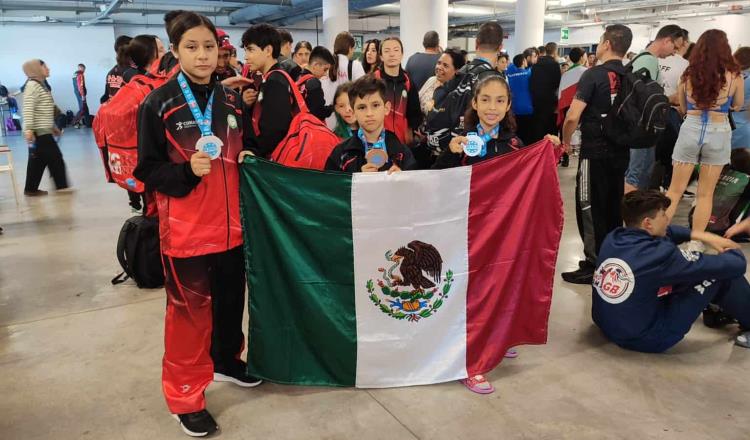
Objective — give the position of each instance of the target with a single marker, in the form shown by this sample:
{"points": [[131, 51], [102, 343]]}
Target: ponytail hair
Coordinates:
{"points": [[343, 43], [471, 117], [141, 51]]}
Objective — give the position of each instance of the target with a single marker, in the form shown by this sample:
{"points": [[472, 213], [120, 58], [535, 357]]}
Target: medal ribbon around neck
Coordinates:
{"points": [[378, 145], [203, 120], [207, 143]]}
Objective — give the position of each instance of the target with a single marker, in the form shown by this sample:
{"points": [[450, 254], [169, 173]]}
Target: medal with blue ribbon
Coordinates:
{"points": [[377, 153], [476, 144], [208, 143]]}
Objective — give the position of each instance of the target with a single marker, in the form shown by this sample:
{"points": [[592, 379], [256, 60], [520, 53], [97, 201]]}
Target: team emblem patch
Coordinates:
{"points": [[232, 122], [421, 288], [690, 256], [614, 281]]}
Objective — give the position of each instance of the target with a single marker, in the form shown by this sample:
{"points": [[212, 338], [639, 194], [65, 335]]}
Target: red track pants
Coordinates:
{"points": [[203, 324]]}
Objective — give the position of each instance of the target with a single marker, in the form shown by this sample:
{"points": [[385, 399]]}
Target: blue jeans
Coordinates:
{"points": [[640, 168]]}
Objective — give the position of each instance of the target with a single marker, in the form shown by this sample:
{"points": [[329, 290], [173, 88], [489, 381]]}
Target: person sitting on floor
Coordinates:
{"points": [[647, 292]]}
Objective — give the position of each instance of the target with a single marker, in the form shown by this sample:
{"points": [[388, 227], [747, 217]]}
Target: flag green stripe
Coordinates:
{"points": [[299, 260]]}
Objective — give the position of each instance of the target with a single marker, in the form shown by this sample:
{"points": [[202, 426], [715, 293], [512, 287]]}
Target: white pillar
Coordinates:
{"points": [[529, 30], [418, 17], [335, 20]]}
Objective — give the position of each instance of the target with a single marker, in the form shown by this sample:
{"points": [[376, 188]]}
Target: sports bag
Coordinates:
{"points": [[309, 141], [731, 201], [138, 253], [639, 111], [115, 127], [448, 117]]}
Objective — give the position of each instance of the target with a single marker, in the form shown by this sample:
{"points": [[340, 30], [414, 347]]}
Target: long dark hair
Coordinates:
{"points": [[471, 117], [341, 46], [710, 60], [141, 50], [369, 68]]}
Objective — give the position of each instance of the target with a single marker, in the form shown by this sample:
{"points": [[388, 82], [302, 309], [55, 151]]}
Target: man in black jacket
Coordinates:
{"points": [[544, 82]]}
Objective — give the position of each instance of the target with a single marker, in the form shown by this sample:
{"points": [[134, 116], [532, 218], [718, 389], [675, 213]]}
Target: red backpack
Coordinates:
{"points": [[115, 127], [309, 142]]}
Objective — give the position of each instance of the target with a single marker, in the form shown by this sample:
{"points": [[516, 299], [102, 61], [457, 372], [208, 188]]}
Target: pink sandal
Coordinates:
{"points": [[511, 353], [478, 384]]}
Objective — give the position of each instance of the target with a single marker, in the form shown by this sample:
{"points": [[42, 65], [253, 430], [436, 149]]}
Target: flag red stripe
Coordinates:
{"points": [[515, 225]]}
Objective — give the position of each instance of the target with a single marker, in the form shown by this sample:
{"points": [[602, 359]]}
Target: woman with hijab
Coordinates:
{"points": [[39, 130]]}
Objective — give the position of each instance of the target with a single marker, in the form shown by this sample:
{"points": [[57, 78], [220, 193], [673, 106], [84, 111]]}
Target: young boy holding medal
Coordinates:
{"points": [[189, 137], [490, 127], [372, 148]]}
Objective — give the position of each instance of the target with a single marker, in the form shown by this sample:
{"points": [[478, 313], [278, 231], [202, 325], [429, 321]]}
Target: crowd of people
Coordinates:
{"points": [[441, 110]]}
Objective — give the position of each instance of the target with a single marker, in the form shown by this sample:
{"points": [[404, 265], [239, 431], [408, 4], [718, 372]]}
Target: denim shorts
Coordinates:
{"points": [[703, 142], [741, 135], [641, 167]]}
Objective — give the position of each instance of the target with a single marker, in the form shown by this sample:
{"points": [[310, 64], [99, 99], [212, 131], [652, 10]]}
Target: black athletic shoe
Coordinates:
{"points": [[237, 374], [714, 317], [197, 424], [565, 161], [584, 275]]}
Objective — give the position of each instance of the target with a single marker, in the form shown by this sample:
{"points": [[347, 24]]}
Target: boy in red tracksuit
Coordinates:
{"points": [[405, 115], [189, 138]]}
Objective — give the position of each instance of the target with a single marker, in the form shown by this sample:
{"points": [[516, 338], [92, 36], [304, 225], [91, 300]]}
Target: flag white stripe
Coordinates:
{"points": [[389, 212]]}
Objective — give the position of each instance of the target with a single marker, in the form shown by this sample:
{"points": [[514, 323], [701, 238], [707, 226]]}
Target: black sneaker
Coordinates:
{"points": [[35, 193], [565, 161], [197, 424], [237, 374], [584, 275], [714, 317]]}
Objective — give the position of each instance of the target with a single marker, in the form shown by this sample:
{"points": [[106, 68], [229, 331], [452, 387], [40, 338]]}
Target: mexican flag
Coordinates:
{"points": [[567, 91], [419, 277]]}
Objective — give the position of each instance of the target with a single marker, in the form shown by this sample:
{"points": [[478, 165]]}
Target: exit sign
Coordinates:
{"points": [[564, 34]]}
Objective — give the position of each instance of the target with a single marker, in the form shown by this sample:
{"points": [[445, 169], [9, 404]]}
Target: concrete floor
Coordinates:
{"points": [[81, 359]]}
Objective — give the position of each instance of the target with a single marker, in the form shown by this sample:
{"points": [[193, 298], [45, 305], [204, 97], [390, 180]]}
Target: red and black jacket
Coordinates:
{"points": [[404, 98], [197, 215], [349, 156], [506, 142]]}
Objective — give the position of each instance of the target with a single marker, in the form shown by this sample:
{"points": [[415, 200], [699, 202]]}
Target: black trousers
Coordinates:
{"points": [[525, 128], [227, 273], [543, 123], [46, 153], [599, 190]]}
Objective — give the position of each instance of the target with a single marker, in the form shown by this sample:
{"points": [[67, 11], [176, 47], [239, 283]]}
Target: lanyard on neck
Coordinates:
{"points": [[486, 137], [378, 145], [203, 120]]}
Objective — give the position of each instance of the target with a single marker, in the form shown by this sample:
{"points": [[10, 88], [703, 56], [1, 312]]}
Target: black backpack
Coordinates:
{"points": [[139, 254], [442, 121], [639, 111]]}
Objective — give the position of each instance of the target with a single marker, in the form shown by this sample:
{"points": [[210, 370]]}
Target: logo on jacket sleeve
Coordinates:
{"points": [[614, 280], [232, 122]]}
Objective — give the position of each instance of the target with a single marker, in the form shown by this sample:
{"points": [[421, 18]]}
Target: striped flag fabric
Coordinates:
{"points": [[567, 91], [375, 280]]}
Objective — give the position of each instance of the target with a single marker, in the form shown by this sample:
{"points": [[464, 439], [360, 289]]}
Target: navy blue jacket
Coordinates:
{"points": [[518, 80], [634, 267]]}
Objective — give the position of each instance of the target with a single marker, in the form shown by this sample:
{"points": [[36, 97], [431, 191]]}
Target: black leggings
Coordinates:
{"points": [[45, 154]]}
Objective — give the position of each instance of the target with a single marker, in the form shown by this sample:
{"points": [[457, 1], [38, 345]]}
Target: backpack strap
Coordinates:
{"points": [[297, 96], [349, 70], [304, 78], [122, 252]]}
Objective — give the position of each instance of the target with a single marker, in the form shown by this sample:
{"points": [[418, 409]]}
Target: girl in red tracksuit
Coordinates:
{"points": [[405, 115], [189, 138]]}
